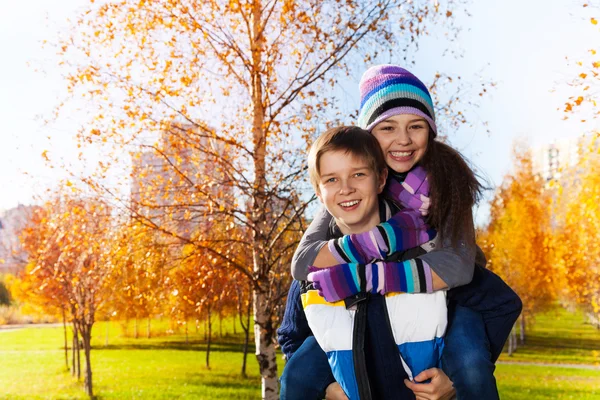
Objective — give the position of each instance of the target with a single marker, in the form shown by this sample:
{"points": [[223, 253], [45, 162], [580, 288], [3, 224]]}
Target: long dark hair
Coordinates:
{"points": [[454, 189]]}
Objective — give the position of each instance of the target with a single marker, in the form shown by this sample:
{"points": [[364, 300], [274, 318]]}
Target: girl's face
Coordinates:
{"points": [[403, 139]]}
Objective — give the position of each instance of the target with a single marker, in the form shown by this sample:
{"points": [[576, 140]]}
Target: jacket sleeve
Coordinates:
{"points": [[312, 241], [454, 265], [294, 327]]}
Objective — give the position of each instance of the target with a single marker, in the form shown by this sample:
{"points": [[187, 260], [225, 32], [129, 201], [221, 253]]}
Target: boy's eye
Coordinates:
{"points": [[359, 174], [330, 180]]}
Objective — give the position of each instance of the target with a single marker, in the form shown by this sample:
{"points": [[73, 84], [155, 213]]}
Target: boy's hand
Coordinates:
{"points": [[335, 392], [440, 387]]}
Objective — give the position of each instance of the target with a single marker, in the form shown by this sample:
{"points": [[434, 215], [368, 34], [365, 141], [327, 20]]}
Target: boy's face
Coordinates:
{"points": [[348, 187], [403, 139]]}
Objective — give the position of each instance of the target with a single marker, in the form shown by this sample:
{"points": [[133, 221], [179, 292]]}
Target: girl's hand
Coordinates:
{"points": [[335, 392], [440, 387]]}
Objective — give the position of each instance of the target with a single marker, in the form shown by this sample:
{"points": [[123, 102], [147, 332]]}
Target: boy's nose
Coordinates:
{"points": [[346, 188]]}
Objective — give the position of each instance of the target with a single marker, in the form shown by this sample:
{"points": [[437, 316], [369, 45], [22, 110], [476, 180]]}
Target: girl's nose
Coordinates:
{"points": [[402, 137]]}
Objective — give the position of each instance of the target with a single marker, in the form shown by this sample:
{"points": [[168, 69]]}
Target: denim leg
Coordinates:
{"points": [[495, 301], [467, 359], [306, 374]]}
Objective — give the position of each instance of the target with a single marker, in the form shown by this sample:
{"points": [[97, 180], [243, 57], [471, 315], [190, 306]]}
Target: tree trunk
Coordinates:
{"points": [[73, 351], [76, 354], [512, 341], [86, 336], [206, 328], [135, 328], [220, 324], [148, 335], [125, 326], [522, 329], [246, 328], [64, 318], [263, 325], [234, 324], [186, 332], [74, 369], [209, 338], [265, 348]]}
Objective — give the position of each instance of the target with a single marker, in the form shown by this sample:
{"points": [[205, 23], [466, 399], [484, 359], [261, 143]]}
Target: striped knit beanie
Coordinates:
{"points": [[388, 90]]}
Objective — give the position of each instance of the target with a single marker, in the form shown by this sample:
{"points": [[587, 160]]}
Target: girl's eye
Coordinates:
{"points": [[330, 180], [417, 127]]}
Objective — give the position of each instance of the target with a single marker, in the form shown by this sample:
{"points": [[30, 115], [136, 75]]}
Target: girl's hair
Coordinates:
{"points": [[454, 190]]}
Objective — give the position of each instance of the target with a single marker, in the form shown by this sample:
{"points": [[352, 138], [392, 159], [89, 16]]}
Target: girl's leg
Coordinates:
{"points": [[495, 301], [467, 359], [306, 374]]}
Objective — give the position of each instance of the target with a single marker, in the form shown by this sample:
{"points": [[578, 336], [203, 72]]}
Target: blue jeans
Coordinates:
{"points": [[467, 358], [306, 374]]}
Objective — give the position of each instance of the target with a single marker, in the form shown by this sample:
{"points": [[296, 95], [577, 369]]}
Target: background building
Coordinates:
{"points": [[12, 256]]}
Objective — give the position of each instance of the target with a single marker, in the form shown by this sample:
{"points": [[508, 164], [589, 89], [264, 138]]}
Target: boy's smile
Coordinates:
{"points": [[348, 188]]}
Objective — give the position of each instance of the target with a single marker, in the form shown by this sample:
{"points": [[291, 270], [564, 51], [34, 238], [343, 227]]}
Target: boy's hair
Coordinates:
{"points": [[351, 140]]}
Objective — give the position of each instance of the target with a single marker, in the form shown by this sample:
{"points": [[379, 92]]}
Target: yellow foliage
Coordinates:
{"points": [[517, 241]]}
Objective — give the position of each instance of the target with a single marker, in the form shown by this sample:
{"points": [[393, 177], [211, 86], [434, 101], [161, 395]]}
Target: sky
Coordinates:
{"points": [[521, 45]]}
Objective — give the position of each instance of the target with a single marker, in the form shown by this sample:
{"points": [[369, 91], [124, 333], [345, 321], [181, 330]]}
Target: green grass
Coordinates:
{"points": [[165, 367], [525, 382], [559, 337]]}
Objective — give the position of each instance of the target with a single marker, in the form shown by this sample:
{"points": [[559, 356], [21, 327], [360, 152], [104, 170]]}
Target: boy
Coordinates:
{"points": [[348, 172]]}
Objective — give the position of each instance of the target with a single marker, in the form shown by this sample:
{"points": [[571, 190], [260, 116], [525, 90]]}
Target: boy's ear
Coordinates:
{"points": [[382, 180], [318, 193]]}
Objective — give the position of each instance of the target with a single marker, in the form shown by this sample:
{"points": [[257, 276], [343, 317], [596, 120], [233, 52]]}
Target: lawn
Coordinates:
{"points": [[165, 367], [560, 337]]}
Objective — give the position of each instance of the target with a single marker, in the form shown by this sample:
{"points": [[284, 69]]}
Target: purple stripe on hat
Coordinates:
{"points": [[372, 86], [400, 111], [385, 70]]}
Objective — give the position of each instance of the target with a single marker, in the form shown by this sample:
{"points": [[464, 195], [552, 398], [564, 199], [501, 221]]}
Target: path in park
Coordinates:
{"points": [[540, 364], [9, 328]]}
